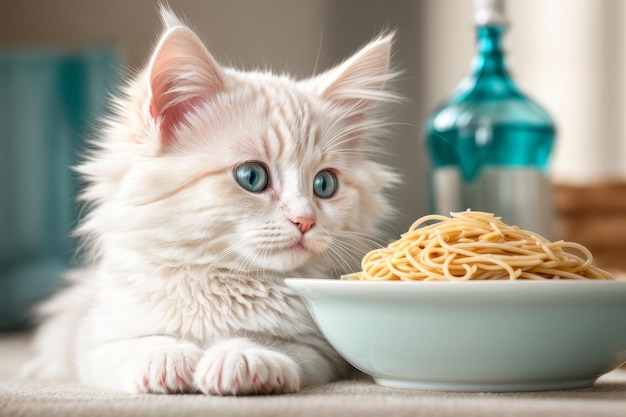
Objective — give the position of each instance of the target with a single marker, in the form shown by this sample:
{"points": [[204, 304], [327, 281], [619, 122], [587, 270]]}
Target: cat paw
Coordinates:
{"points": [[240, 368], [168, 370]]}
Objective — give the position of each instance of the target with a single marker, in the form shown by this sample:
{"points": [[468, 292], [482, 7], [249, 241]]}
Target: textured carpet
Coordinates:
{"points": [[361, 397]]}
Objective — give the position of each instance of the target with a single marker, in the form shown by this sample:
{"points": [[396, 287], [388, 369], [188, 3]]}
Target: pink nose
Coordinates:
{"points": [[304, 224]]}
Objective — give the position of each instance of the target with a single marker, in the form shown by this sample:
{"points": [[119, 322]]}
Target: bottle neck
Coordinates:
{"points": [[488, 66]]}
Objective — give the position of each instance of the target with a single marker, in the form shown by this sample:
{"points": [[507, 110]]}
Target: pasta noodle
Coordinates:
{"points": [[474, 245]]}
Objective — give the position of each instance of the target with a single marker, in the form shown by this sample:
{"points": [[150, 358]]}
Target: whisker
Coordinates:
{"points": [[338, 263], [360, 237]]}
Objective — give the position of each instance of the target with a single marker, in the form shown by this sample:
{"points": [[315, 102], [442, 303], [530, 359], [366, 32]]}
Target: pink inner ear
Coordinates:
{"points": [[153, 112], [167, 110], [182, 74], [358, 82], [168, 122], [172, 117]]}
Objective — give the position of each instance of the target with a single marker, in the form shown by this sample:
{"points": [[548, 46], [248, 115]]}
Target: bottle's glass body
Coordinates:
{"points": [[490, 145]]}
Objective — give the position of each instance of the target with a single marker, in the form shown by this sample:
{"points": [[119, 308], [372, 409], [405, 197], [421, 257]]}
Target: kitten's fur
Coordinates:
{"points": [[185, 291]]}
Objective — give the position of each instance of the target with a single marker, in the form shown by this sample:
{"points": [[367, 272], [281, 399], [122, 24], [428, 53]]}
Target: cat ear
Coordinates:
{"points": [[358, 82], [181, 74]]}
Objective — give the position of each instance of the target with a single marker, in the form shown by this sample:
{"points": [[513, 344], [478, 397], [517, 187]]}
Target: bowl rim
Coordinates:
{"points": [[337, 281], [618, 286]]}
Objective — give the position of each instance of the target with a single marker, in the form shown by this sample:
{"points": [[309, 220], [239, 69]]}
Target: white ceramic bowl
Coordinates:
{"points": [[473, 336]]}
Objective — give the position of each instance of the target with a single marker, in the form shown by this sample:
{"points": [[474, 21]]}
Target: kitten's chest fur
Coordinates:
{"points": [[221, 305]]}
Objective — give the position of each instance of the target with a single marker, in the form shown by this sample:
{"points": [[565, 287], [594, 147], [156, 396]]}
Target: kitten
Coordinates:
{"points": [[206, 188]]}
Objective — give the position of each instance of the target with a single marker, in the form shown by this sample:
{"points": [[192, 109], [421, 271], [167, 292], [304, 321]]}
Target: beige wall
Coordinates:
{"points": [[571, 54], [568, 54]]}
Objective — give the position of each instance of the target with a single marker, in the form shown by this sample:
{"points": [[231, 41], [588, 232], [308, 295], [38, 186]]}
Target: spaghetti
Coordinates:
{"points": [[474, 245]]}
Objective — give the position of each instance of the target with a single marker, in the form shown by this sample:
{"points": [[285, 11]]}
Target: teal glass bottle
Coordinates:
{"points": [[489, 144]]}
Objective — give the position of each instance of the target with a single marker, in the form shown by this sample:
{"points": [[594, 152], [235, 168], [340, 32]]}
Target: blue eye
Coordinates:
{"points": [[252, 176], [325, 184]]}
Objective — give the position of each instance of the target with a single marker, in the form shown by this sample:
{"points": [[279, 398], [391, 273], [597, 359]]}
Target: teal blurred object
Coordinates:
{"points": [[49, 103], [490, 144]]}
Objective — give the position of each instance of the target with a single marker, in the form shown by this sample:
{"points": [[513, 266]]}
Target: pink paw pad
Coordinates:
{"points": [[168, 370], [225, 370]]}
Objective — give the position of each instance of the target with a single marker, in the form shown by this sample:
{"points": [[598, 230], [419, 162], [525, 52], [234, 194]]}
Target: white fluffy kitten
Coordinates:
{"points": [[207, 187]]}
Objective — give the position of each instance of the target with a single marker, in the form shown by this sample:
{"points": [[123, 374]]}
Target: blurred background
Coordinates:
{"points": [[58, 60]]}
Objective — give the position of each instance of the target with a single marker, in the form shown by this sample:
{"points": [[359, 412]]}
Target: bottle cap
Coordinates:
{"points": [[489, 12]]}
